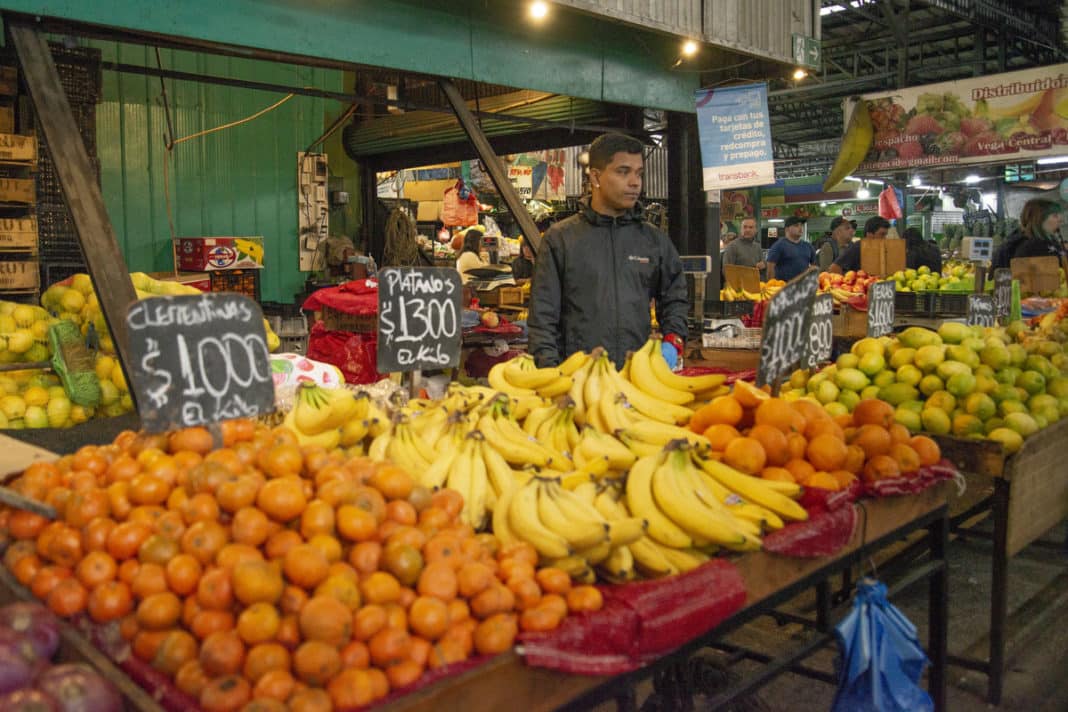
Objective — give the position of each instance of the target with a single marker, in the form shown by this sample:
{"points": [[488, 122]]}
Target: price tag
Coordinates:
{"points": [[198, 359], [418, 318], [881, 307], [1002, 293], [785, 340], [981, 310], [820, 332]]}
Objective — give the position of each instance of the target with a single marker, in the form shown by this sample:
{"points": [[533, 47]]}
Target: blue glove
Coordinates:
{"points": [[671, 354]]}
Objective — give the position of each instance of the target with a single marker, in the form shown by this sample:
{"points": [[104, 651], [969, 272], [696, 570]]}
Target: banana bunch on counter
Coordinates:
{"points": [[333, 417]]}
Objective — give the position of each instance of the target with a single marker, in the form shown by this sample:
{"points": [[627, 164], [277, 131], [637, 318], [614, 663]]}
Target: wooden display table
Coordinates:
{"points": [[1030, 496], [505, 682]]}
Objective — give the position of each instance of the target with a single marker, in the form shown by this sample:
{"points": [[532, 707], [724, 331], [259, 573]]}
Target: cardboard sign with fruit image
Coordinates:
{"points": [[974, 120]]}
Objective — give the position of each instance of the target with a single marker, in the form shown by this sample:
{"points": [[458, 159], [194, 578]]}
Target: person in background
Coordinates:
{"points": [[1037, 236], [921, 253], [790, 255], [746, 250], [842, 233], [469, 257], [596, 271], [523, 266], [849, 259]]}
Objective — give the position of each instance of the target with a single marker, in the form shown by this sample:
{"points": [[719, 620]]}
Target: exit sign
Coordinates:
{"points": [[806, 51]]}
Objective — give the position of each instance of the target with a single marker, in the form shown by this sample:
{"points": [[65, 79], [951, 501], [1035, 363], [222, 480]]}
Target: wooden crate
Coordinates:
{"points": [[500, 296], [18, 190], [1036, 274], [19, 276], [1039, 498], [17, 148], [733, 359], [18, 235], [850, 323], [336, 320], [7, 120], [882, 257]]}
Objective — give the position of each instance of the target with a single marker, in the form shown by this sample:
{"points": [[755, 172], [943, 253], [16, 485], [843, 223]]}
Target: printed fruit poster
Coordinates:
{"points": [[980, 120]]}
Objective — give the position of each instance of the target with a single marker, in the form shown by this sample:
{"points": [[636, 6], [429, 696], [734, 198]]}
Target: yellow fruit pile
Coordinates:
{"points": [[35, 398], [23, 333]]}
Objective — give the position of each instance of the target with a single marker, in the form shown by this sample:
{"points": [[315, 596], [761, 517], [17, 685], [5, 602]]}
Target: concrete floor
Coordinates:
{"points": [[1038, 639]]}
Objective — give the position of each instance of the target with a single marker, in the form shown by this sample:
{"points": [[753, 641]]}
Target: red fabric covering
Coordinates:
{"points": [[732, 376], [358, 297], [911, 484], [355, 354], [816, 499], [822, 534], [639, 622], [756, 319]]}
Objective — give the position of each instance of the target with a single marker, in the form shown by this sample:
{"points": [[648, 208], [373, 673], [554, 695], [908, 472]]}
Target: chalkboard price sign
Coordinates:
{"points": [[1002, 293], [881, 307], [786, 339], [198, 360], [981, 310], [419, 314], [820, 332]]}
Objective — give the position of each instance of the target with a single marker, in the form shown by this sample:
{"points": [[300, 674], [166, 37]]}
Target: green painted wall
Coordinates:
{"points": [[238, 181]]}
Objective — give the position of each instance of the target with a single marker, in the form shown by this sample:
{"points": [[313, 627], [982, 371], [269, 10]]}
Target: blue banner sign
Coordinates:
{"points": [[735, 134]]}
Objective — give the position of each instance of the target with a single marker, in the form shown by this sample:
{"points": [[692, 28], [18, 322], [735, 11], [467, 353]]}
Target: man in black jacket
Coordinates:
{"points": [[597, 271]]}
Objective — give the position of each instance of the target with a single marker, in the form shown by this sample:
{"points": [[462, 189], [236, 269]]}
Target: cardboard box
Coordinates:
{"points": [[18, 190], [22, 275], [18, 234], [429, 211], [882, 257], [16, 456], [211, 254], [1037, 275], [14, 147], [200, 280], [432, 190]]}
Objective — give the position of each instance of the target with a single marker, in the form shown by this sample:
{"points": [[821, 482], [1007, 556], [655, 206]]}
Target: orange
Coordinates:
{"points": [[822, 480], [855, 459], [908, 460], [225, 694], [306, 566], [326, 619], [927, 449], [723, 410], [262, 659], [779, 414], [800, 469], [873, 412], [343, 587], [899, 434], [796, 444], [255, 581], [748, 395], [771, 439], [845, 478], [873, 439], [351, 689], [175, 650], [403, 674], [824, 427], [473, 578], [428, 617], [380, 587], [258, 623], [389, 646], [392, 482], [495, 599], [553, 580], [496, 634], [778, 474], [222, 653], [721, 435], [881, 467], [368, 620], [315, 662], [826, 452], [282, 499], [274, 685], [439, 579], [584, 599], [746, 455]]}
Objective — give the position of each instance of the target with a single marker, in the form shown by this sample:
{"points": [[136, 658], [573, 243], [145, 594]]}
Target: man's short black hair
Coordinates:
{"points": [[608, 145], [875, 224]]}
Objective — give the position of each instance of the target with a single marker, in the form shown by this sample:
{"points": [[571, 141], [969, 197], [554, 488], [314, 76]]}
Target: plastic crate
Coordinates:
{"points": [[743, 339], [716, 308], [913, 303], [293, 344], [242, 281], [52, 272], [335, 320], [948, 304]]}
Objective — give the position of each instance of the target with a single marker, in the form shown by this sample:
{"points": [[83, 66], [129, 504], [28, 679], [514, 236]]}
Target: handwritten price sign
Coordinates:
{"points": [[198, 360], [881, 308], [418, 318], [1002, 293], [785, 341], [820, 332], [981, 311]]}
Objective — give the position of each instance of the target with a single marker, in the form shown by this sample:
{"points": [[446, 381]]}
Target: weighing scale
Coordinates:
{"points": [[700, 266]]}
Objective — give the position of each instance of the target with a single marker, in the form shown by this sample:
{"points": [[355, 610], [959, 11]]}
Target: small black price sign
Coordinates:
{"points": [[418, 318], [785, 340], [881, 307], [1002, 293], [981, 310], [198, 360], [820, 332]]}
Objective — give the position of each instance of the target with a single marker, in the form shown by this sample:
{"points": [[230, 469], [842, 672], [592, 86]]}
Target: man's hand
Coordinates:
{"points": [[761, 265]]}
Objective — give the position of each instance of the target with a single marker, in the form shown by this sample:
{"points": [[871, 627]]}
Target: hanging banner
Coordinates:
{"points": [[1016, 115], [735, 134]]}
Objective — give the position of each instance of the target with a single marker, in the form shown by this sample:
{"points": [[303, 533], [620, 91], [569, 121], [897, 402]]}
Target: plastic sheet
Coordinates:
{"points": [[881, 659], [354, 353]]}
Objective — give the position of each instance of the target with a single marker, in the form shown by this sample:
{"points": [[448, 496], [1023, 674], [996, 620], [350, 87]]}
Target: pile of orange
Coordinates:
{"points": [[261, 571], [798, 441]]}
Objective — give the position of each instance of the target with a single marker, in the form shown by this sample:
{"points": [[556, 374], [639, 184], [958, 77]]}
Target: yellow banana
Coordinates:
{"points": [[595, 444], [577, 392], [622, 532], [640, 502], [586, 491], [647, 405], [574, 566], [501, 384], [619, 566], [855, 145], [574, 362], [524, 521], [661, 434], [536, 417], [341, 406], [478, 488], [311, 413], [650, 560], [642, 376], [580, 533], [686, 510], [521, 373], [435, 476], [556, 387], [354, 431], [328, 439], [379, 419], [753, 490], [684, 559], [638, 447], [379, 446], [501, 527], [690, 384]]}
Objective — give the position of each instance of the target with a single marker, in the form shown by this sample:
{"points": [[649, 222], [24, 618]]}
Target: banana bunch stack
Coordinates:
{"points": [[568, 530], [731, 294], [520, 377], [696, 504], [334, 417]]}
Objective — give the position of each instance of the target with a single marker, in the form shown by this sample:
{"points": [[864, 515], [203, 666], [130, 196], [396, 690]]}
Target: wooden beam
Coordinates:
{"points": [[493, 164], [77, 179]]}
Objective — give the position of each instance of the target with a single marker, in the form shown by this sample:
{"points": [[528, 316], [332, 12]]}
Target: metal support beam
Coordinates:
{"points": [[493, 165], [686, 205], [77, 180]]}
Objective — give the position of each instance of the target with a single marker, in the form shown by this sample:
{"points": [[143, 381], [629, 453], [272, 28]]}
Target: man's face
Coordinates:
{"points": [[793, 232], [619, 184], [843, 234], [748, 229], [880, 233]]}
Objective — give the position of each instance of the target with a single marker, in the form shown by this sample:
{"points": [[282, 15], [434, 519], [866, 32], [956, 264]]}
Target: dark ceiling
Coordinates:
{"points": [[878, 45]]}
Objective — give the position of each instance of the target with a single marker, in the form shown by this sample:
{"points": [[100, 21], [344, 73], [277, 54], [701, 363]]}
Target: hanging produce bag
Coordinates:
{"points": [[890, 200], [460, 207], [881, 660]]}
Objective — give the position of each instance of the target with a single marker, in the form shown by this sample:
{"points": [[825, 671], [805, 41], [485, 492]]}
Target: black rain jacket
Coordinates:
{"points": [[593, 280]]}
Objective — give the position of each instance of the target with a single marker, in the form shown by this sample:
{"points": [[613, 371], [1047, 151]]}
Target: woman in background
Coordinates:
{"points": [[1037, 236], [921, 253], [469, 257]]}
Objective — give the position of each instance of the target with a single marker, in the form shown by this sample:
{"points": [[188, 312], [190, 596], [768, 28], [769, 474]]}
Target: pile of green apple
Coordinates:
{"points": [[1001, 383], [954, 278]]}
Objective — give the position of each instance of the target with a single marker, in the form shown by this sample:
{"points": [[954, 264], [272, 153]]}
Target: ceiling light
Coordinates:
{"points": [[863, 193], [1051, 160], [689, 48], [916, 182], [539, 9], [775, 220], [830, 10], [971, 178], [799, 74]]}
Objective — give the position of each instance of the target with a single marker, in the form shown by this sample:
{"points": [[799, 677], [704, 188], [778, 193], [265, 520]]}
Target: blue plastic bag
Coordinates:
{"points": [[881, 660]]}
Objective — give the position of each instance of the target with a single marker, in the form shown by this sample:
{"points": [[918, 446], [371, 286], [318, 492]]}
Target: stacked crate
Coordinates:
{"points": [[19, 255]]}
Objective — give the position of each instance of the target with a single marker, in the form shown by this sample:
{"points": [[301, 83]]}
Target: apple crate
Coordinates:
{"points": [[337, 320], [850, 323]]}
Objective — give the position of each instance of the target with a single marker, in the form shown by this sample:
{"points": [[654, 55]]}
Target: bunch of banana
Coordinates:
{"points": [[554, 425], [506, 436], [520, 377], [595, 447], [668, 491], [566, 529], [764, 501], [841, 295], [321, 413], [609, 382], [404, 447], [732, 294], [650, 372]]}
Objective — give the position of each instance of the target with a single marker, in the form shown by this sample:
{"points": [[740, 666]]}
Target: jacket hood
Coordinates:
{"points": [[634, 215]]}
